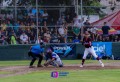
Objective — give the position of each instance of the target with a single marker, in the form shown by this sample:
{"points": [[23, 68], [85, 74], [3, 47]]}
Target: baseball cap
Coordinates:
{"points": [[42, 44]]}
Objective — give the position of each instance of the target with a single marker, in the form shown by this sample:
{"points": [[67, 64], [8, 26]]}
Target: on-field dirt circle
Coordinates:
{"points": [[20, 70]]}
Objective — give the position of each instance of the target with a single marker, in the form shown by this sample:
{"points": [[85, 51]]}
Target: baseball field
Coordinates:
{"points": [[18, 71]]}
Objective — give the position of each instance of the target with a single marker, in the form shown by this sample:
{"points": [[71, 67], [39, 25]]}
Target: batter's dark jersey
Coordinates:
{"points": [[86, 42]]}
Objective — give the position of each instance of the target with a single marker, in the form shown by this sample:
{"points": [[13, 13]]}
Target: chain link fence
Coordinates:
{"points": [[33, 21]]}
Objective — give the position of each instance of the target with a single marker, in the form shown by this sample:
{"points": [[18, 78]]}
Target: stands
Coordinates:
{"points": [[50, 20]]}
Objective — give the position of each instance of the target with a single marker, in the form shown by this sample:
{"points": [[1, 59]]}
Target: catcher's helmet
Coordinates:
{"points": [[49, 50]]}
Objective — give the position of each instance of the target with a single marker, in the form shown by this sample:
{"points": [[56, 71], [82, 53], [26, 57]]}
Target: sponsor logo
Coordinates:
{"points": [[99, 48], [56, 74], [65, 50]]}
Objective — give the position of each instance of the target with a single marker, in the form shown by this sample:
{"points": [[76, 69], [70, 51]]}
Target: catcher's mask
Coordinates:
{"points": [[49, 51]]}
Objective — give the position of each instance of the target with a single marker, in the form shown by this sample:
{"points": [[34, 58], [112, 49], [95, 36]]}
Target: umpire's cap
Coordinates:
{"points": [[42, 44]]}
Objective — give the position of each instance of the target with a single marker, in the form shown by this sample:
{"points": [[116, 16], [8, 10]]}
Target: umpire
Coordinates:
{"points": [[35, 52]]}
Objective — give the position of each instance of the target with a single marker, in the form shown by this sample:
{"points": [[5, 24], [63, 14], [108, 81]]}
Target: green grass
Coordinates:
{"points": [[112, 75], [73, 76], [13, 63]]}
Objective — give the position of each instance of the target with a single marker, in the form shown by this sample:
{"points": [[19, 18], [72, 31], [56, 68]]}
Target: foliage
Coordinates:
{"points": [[91, 7]]}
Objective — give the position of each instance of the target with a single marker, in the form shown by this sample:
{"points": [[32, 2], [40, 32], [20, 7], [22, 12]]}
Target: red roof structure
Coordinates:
{"points": [[113, 20]]}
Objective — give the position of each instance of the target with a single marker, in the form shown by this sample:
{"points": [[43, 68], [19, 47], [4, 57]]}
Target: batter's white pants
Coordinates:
{"points": [[89, 50]]}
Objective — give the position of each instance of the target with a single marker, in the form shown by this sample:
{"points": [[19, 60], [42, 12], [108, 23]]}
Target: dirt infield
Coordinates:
{"points": [[20, 70]]}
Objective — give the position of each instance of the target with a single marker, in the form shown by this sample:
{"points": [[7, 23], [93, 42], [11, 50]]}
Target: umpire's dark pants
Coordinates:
{"points": [[34, 57]]}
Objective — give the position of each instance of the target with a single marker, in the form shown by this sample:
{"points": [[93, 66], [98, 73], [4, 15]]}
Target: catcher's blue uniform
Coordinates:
{"points": [[57, 61]]}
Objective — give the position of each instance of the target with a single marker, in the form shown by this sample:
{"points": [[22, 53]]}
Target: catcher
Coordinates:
{"points": [[52, 59]]}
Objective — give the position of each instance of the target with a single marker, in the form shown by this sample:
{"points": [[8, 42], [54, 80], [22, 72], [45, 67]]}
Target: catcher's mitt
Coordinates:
{"points": [[46, 64]]}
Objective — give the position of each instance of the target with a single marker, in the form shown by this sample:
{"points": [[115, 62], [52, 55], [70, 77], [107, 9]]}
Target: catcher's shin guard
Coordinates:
{"points": [[54, 64]]}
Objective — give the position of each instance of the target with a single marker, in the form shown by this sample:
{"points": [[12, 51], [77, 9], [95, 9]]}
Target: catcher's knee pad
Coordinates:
{"points": [[54, 64]]}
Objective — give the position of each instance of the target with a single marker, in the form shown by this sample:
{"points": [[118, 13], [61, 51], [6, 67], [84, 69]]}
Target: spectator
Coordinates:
{"points": [[76, 40], [16, 26], [41, 33], [31, 38], [28, 19], [22, 26], [2, 16], [87, 25], [39, 40], [45, 27], [54, 37], [61, 21], [100, 39], [94, 34], [47, 37], [68, 19], [33, 28], [33, 11], [19, 32], [116, 39], [61, 40], [2, 38], [77, 22], [24, 38], [20, 16], [28, 26], [66, 32], [9, 31], [3, 26], [76, 32], [13, 39], [45, 16], [62, 32], [9, 24], [9, 16], [30, 15], [40, 19], [105, 30], [107, 39]]}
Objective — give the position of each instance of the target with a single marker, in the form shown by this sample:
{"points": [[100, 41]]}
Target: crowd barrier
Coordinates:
{"points": [[65, 51]]}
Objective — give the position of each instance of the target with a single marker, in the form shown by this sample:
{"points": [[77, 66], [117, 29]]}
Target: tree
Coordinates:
{"points": [[91, 7]]}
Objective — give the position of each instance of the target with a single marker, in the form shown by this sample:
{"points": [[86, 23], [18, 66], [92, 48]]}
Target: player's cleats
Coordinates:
{"points": [[31, 66], [102, 65], [39, 66], [81, 65]]}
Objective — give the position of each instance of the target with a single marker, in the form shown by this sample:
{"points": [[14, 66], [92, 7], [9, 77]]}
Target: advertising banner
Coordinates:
{"points": [[64, 50], [103, 48]]}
